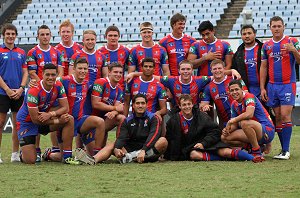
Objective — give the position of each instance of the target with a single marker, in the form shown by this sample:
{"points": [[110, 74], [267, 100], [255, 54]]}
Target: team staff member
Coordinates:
{"points": [[13, 78]]}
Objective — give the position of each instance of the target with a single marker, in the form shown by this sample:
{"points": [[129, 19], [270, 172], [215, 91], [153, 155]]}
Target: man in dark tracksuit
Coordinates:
{"points": [[192, 135], [140, 134]]}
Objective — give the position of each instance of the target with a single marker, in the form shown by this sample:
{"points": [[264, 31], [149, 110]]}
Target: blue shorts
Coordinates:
{"points": [[30, 129], [281, 94], [78, 124], [267, 134], [255, 90]]}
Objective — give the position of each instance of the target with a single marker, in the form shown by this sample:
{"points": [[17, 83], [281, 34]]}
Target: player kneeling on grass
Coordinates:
{"points": [[90, 128], [139, 137], [250, 124], [192, 135], [34, 116]]}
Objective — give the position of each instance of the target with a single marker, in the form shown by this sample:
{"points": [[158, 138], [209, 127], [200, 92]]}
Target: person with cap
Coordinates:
{"points": [[148, 48]]}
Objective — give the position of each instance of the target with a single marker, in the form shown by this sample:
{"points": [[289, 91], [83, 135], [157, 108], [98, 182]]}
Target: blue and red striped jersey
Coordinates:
{"points": [[153, 90], [96, 62], [120, 55], [260, 113], [158, 53], [106, 93], [193, 88], [76, 93], [281, 63], [219, 93], [177, 50], [67, 53], [11, 64], [39, 97], [252, 67], [201, 48], [37, 58]]}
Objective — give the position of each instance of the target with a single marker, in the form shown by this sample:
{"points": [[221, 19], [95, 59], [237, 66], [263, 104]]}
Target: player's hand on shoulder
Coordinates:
{"points": [[33, 83], [206, 107]]}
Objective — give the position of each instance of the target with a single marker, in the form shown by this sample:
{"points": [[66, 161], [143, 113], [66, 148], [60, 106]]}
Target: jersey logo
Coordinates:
{"points": [[135, 85], [177, 87], [202, 48], [140, 53], [39, 56], [32, 99], [249, 101]]}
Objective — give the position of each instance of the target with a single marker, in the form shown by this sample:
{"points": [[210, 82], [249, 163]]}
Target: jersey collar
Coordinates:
{"points": [[177, 38]]}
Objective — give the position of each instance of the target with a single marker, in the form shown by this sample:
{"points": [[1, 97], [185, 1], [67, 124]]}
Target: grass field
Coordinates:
{"points": [[271, 178]]}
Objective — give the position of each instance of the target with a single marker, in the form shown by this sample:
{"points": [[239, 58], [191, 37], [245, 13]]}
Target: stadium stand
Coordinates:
{"points": [[97, 15], [262, 11]]}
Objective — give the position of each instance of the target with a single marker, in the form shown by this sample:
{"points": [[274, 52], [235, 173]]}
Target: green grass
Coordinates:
{"points": [[271, 178]]}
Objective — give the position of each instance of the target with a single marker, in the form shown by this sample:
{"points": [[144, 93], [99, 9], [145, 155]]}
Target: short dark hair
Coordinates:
{"points": [[80, 60], [276, 18], [148, 59], [177, 17], [185, 97], [9, 26], [139, 95], [247, 27], [112, 28], [237, 82], [205, 25], [114, 65], [50, 66], [43, 27]]}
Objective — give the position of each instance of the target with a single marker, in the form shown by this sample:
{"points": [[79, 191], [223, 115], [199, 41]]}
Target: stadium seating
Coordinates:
{"points": [[127, 14], [262, 11]]}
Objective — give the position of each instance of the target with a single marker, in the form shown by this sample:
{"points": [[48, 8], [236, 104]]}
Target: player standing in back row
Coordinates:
{"points": [[279, 56]]}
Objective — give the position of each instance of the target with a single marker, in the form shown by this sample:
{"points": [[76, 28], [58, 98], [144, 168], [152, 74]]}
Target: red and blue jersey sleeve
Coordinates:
{"points": [[31, 59], [98, 87], [33, 97], [133, 61]]}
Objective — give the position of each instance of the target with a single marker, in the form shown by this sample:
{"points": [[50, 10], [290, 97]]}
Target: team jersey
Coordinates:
{"points": [[39, 97], [11, 64], [120, 55], [153, 90], [177, 50], [37, 58], [193, 88], [260, 113], [185, 123], [158, 53], [201, 48], [76, 93], [281, 63], [219, 93], [106, 93], [96, 62], [67, 53], [251, 65]]}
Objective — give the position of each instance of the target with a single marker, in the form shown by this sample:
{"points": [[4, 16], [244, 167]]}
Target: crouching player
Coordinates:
{"points": [[107, 97], [192, 135], [139, 137], [250, 124], [34, 117]]}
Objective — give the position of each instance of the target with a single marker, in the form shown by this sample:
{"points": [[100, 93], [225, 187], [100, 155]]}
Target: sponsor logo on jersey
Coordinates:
{"points": [[32, 99]]}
